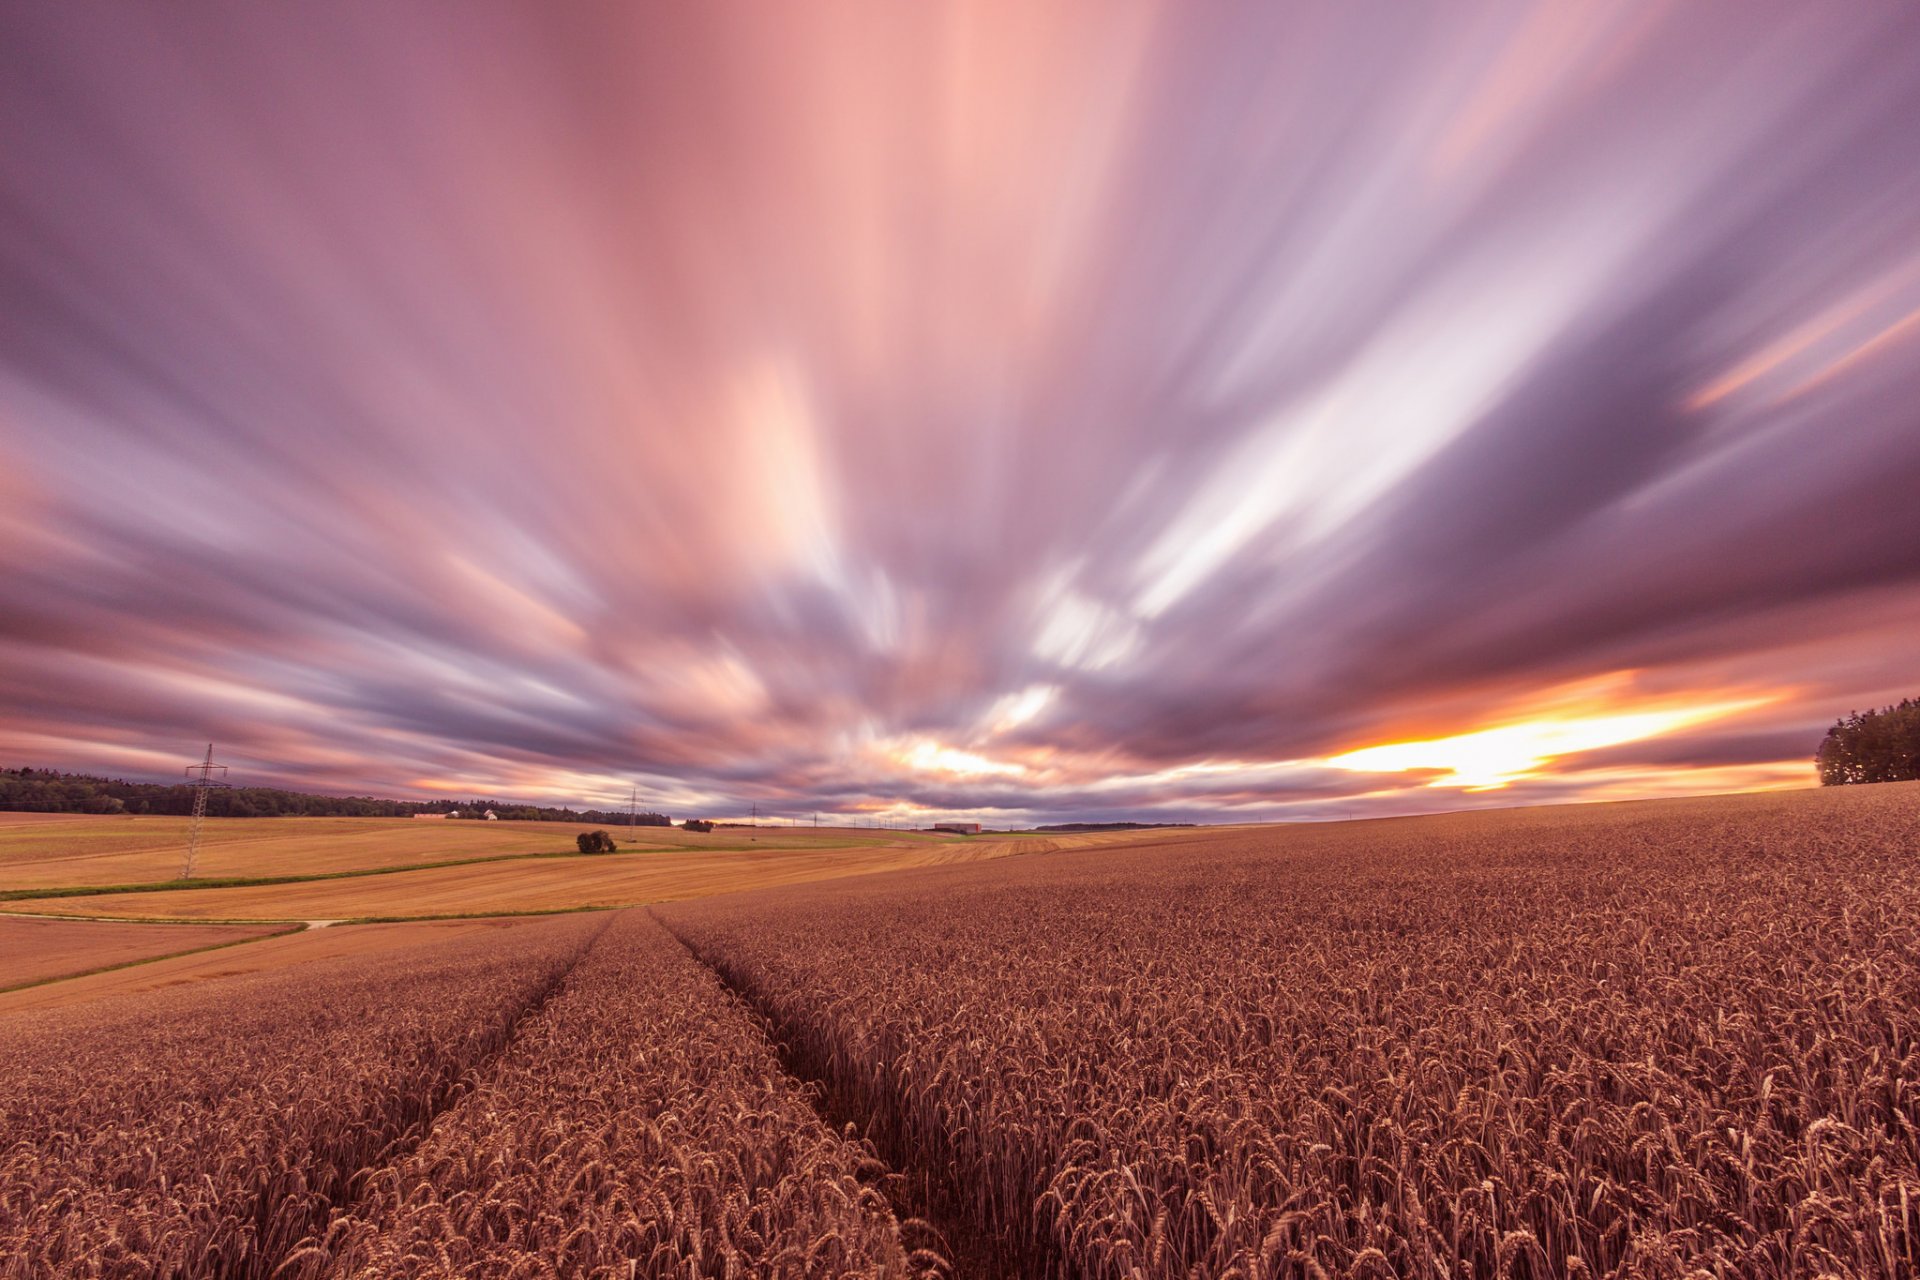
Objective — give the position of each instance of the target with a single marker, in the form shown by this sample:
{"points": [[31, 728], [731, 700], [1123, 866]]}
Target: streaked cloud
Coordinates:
{"points": [[1009, 410]]}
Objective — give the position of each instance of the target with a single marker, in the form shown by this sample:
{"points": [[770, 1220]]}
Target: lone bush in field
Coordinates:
{"points": [[594, 842], [697, 824], [1873, 746]]}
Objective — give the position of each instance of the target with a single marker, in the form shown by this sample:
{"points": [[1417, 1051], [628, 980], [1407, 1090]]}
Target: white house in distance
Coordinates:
{"points": [[963, 828]]}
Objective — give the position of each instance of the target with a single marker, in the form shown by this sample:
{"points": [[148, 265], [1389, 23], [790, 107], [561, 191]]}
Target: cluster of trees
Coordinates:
{"points": [[536, 813], [47, 791], [1873, 746], [545, 813]]}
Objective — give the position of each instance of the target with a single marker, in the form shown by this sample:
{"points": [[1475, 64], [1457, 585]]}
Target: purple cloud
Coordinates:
{"points": [[996, 411]]}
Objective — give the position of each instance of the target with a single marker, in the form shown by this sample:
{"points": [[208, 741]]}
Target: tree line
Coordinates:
{"points": [[1872, 746], [47, 791]]}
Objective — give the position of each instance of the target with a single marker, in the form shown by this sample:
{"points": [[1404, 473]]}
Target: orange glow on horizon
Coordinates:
{"points": [[1491, 758]]}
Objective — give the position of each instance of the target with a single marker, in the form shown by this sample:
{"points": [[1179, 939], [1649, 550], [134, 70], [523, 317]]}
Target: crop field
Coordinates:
{"points": [[146, 849], [275, 952], [34, 951], [206, 1132], [1667, 1039], [554, 883], [642, 1117], [48, 851], [579, 1093]]}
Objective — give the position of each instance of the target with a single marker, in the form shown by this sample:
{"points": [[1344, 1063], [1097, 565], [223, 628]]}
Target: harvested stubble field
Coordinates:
{"points": [[51, 851], [34, 951], [1668, 1039], [275, 953], [623, 878]]}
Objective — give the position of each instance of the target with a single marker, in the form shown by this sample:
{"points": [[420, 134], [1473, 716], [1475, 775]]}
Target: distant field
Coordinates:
{"points": [[535, 884], [12, 818], [47, 851], [126, 987], [36, 950]]}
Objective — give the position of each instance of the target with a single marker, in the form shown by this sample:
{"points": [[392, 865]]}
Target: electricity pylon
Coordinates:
{"points": [[202, 774]]}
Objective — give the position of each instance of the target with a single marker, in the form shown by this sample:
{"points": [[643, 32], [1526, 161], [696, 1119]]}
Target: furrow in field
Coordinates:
{"points": [[921, 1187], [201, 1132], [1619, 1041], [639, 1125]]}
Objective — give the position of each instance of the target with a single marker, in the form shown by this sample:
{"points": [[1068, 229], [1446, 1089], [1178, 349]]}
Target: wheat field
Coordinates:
{"points": [[1670, 1039]]}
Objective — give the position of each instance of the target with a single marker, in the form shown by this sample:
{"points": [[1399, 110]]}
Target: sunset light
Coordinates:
{"points": [[1172, 413], [929, 641], [1488, 759], [931, 757]]}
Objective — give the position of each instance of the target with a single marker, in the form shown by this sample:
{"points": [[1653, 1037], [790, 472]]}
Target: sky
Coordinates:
{"points": [[1008, 411]]}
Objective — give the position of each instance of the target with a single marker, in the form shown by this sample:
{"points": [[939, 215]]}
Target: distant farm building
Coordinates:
{"points": [[962, 828], [491, 816], [432, 815]]}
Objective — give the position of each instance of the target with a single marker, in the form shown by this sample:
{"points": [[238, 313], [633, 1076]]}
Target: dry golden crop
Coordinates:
{"points": [[640, 1125], [1665, 1040], [201, 1132]]}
